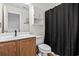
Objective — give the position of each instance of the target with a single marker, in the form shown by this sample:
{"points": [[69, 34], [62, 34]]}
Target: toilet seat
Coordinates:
{"points": [[44, 48]]}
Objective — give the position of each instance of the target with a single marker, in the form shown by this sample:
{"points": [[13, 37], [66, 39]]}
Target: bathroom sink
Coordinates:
{"points": [[6, 36], [12, 36], [23, 34]]}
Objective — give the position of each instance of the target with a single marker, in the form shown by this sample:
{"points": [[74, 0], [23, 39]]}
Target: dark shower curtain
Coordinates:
{"points": [[61, 29]]}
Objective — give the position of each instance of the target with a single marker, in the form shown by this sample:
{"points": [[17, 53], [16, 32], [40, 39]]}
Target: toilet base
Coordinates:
{"points": [[48, 54]]}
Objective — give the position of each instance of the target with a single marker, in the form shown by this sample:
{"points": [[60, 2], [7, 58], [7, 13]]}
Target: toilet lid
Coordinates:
{"points": [[44, 47]]}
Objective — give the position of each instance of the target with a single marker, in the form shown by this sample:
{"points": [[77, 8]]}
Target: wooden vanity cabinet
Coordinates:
{"points": [[22, 47], [28, 47], [8, 49]]}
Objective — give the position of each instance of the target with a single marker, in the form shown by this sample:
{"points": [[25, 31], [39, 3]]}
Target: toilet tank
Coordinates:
{"points": [[39, 40]]}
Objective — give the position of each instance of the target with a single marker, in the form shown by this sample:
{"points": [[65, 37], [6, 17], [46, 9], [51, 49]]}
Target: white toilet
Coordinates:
{"points": [[44, 49]]}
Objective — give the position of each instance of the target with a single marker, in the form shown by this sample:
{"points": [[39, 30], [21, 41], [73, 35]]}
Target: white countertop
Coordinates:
{"points": [[9, 37]]}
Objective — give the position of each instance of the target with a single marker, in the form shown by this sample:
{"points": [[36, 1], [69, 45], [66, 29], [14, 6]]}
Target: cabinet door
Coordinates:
{"points": [[8, 49], [28, 47]]}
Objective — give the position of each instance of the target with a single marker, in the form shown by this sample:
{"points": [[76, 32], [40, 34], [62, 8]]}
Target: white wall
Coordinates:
{"points": [[24, 15], [1, 17], [25, 27], [39, 29], [45, 6], [36, 29]]}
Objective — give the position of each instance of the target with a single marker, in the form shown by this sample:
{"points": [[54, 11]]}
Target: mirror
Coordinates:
{"points": [[13, 22], [16, 17]]}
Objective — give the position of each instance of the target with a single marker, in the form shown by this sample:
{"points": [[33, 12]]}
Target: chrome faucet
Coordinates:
{"points": [[15, 32]]}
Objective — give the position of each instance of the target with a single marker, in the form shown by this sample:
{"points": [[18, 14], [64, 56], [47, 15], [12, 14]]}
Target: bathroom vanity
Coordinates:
{"points": [[18, 36], [18, 46]]}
